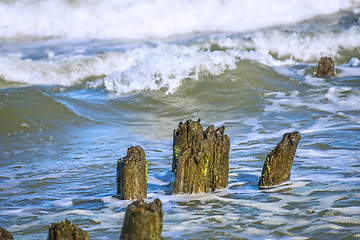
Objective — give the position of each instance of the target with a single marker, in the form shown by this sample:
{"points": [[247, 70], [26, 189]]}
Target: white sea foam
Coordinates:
{"points": [[341, 99], [320, 227], [306, 47], [349, 210], [345, 220], [156, 181], [20, 227], [302, 46], [142, 68], [153, 18], [115, 203], [63, 72], [16, 212], [168, 69], [352, 68], [167, 65], [66, 202]]}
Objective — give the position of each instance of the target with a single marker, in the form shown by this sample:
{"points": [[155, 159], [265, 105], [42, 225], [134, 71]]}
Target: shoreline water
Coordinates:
{"points": [[70, 107]]}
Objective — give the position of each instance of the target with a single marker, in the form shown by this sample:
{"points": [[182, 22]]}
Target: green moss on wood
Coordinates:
{"points": [[143, 221], [182, 135], [66, 230], [204, 172], [131, 175], [203, 164]]}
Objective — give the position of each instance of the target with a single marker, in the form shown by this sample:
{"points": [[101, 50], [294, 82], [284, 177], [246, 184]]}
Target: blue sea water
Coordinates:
{"points": [[81, 81]]}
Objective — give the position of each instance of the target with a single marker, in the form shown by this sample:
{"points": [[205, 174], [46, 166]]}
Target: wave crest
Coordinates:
{"points": [[149, 19]]}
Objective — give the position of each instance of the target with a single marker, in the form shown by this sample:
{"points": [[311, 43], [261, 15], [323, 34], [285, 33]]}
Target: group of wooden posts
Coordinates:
{"points": [[201, 164]]}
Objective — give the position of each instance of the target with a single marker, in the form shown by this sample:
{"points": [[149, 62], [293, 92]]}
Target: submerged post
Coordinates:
{"points": [[278, 163], [325, 67], [143, 221], [5, 235], [202, 165], [131, 174], [66, 230]]}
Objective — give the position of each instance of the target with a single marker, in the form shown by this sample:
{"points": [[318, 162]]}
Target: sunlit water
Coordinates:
{"points": [[73, 99]]}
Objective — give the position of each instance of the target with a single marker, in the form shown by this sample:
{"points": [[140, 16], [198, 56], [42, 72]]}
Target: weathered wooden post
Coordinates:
{"points": [[182, 135], [5, 235], [278, 163], [131, 174], [143, 221], [325, 67], [66, 230], [202, 164]]}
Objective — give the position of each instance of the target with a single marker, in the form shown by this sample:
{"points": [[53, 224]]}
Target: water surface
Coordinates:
{"points": [[74, 97]]}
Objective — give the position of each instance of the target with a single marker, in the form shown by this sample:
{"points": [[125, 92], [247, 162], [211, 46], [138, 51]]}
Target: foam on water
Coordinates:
{"points": [[20, 227], [350, 69], [143, 68], [258, 84], [130, 68], [168, 70], [64, 72], [304, 46], [66, 202], [153, 18], [146, 68]]}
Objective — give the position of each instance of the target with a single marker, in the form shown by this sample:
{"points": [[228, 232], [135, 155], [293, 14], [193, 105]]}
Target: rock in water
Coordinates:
{"points": [[203, 163], [278, 163], [182, 135], [131, 175], [66, 231], [143, 221], [5, 235], [325, 67]]}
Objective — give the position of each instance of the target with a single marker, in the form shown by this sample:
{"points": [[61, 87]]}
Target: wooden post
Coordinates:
{"points": [[143, 221], [203, 163], [66, 230], [182, 135], [5, 235], [325, 67], [278, 163], [131, 175]]}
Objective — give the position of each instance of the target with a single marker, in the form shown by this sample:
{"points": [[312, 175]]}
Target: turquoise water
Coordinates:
{"points": [[71, 106]]}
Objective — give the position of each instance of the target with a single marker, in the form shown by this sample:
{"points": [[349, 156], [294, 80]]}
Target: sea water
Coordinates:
{"points": [[81, 81]]}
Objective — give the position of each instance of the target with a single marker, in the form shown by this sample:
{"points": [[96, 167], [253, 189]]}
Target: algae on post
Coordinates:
{"points": [[66, 230], [143, 221], [203, 163], [131, 175], [182, 135]]}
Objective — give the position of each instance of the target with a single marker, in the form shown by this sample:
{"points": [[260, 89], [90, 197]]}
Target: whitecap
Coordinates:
{"points": [[153, 19]]}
